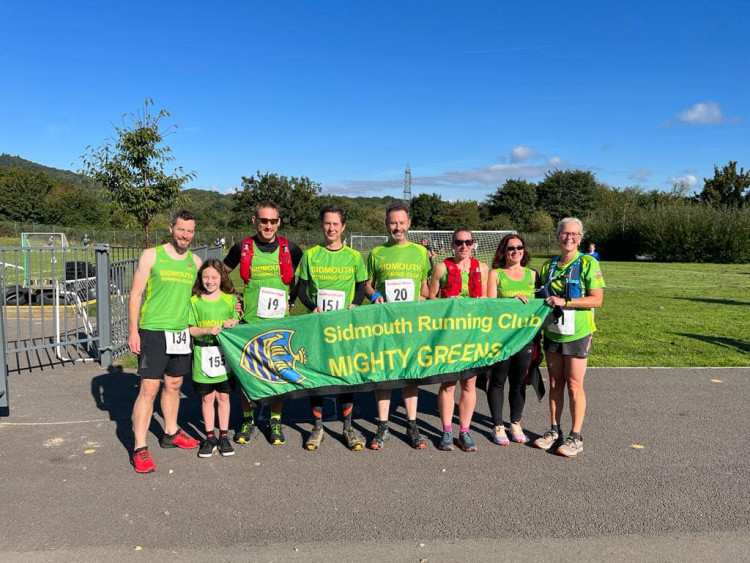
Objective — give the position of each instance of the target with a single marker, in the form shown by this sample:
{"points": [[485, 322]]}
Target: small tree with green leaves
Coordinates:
{"points": [[132, 165], [296, 198], [727, 187]]}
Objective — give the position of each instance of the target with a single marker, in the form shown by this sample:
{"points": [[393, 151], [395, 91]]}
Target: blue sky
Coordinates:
{"points": [[469, 94]]}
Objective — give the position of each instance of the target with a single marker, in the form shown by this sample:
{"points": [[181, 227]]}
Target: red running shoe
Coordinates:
{"points": [[142, 461], [179, 440]]}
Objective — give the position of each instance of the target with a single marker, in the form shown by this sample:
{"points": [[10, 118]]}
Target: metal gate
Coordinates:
{"points": [[64, 304]]}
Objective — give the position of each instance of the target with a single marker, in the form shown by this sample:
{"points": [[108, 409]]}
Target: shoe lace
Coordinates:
{"points": [[571, 442], [143, 455], [276, 427], [550, 435]]}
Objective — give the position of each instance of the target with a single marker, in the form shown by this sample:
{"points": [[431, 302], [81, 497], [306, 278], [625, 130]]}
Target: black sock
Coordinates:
{"points": [[383, 424], [577, 436], [413, 423], [223, 433], [556, 428]]}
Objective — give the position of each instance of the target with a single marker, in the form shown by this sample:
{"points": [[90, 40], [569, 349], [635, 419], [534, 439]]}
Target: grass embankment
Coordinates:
{"points": [[676, 315]]}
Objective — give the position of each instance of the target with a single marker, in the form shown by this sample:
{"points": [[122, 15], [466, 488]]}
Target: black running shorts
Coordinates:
{"points": [[155, 363], [226, 386]]}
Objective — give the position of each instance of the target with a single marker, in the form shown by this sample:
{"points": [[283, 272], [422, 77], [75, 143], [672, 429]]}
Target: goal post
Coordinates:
{"points": [[365, 243], [485, 243], [44, 239]]}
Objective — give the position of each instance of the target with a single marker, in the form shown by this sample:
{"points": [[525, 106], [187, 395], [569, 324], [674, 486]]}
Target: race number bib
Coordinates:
{"points": [[565, 324], [178, 343], [331, 299], [400, 290], [271, 303], [213, 362]]}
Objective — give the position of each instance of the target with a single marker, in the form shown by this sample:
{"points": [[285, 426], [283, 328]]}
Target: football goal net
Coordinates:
{"points": [[365, 243], [485, 243]]}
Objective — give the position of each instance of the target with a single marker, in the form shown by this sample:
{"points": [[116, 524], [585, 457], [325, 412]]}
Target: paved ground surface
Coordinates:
{"points": [[665, 477]]}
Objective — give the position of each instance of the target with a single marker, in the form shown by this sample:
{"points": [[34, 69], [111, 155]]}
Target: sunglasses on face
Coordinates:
{"points": [[512, 248], [468, 242], [267, 221]]}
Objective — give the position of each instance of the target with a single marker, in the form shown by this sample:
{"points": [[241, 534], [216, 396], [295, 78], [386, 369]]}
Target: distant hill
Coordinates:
{"points": [[61, 176]]}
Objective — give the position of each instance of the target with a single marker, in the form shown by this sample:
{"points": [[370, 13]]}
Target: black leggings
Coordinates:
{"points": [[514, 368]]}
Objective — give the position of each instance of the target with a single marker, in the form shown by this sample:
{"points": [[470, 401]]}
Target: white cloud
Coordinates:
{"points": [[522, 154], [702, 113], [640, 174], [688, 180], [484, 177]]}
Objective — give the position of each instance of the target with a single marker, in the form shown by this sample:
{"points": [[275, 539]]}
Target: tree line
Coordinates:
{"points": [[125, 183]]}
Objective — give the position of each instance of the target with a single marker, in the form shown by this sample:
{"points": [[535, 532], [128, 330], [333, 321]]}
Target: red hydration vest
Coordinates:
{"points": [[453, 283], [285, 260]]}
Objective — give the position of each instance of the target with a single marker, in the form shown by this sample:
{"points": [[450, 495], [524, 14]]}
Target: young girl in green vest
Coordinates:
{"points": [[212, 308]]}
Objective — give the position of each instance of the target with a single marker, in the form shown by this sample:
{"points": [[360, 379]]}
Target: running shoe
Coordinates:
{"points": [[549, 439], [571, 447], [315, 439], [446, 442], [466, 442], [225, 446], [499, 436], [142, 461], [354, 439], [246, 431], [208, 447], [276, 436], [179, 440], [378, 441], [415, 438], [516, 433]]}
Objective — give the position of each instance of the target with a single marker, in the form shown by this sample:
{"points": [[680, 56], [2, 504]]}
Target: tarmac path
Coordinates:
{"points": [[665, 476]]}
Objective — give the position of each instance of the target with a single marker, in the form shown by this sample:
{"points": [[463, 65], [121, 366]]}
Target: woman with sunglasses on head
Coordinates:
{"points": [[573, 282], [510, 278], [458, 276]]}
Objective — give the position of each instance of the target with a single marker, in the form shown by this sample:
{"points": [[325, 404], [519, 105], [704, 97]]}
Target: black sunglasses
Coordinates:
{"points": [[510, 248], [469, 242], [266, 221]]}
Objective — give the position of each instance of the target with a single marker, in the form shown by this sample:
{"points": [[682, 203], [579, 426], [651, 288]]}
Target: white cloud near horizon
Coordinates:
{"points": [[489, 177], [702, 113], [640, 174], [688, 180]]}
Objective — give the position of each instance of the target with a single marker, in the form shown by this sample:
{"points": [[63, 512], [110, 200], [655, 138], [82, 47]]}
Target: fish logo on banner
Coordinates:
{"points": [[269, 357]]}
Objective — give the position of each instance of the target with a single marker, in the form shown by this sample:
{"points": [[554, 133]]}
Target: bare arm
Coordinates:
{"points": [[492, 284], [424, 291], [485, 277], [370, 291], [437, 273], [140, 279]]}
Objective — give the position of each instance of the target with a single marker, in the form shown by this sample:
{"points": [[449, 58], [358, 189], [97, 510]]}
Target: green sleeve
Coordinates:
{"points": [[303, 271], [360, 272], [591, 273]]}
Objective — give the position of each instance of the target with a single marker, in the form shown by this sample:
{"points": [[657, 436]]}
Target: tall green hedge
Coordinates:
{"points": [[674, 232]]}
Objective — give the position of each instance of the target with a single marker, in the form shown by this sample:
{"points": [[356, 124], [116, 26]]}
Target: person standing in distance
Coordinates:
{"points": [[397, 272], [158, 333], [332, 276], [267, 263]]}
